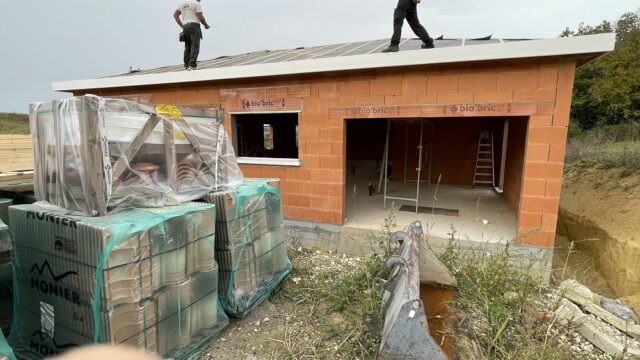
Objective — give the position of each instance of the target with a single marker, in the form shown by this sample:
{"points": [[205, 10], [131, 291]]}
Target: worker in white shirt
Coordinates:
{"points": [[189, 17]]}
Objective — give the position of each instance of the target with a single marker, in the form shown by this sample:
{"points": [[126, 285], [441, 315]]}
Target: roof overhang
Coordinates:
{"points": [[589, 46]]}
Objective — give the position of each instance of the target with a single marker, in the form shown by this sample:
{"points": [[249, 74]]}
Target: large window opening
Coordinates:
{"points": [[270, 139]]}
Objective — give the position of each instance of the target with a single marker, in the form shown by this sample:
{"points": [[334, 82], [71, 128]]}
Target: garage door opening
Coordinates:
{"points": [[460, 173]]}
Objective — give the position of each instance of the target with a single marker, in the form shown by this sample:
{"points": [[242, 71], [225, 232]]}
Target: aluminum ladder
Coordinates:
{"points": [[484, 172]]}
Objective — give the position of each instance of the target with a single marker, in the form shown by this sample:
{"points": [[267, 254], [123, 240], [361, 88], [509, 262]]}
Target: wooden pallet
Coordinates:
{"points": [[16, 153], [16, 177]]}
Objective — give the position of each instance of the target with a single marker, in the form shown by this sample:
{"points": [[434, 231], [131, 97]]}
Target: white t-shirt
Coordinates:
{"points": [[189, 9]]}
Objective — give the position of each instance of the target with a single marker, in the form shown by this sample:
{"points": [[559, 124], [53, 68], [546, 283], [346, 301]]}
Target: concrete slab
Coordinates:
{"points": [[475, 206]]}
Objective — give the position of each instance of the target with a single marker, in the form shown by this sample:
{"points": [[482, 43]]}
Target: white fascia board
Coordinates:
{"points": [[589, 44]]}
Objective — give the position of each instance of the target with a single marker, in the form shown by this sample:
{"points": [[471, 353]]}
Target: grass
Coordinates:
{"points": [[12, 123], [609, 147], [495, 308]]}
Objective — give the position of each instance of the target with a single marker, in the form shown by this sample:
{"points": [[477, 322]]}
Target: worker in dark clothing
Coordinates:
{"points": [[408, 9], [189, 17]]}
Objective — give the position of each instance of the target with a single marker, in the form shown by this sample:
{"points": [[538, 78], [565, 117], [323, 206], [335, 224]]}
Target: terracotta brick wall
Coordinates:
{"points": [[315, 192]]}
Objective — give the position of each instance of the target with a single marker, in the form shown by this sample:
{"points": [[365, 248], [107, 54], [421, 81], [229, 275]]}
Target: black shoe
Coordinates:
{"points": [[427, 46], [391, 48]]}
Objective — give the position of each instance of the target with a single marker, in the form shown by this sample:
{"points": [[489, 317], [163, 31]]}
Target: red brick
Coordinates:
{"points": [[563, 98], [355, 88], [331, 134], [368, 100], [325, 216], [493, 96], [293, 213], [274, 172], [541, 120], [277, 92], [310, 214], [309, 133], [321, 202], [470, 82], [331, 162], [533, 187], [530, 221], [312, 188], [539, 204], [336, 217], [337, 149], [549, 221], [532, 237], [386, 86], [317, 148], [561, 116], [298, 174], [338, 102], [518, 80], [292, 187], [545, 109], [299, 91], [427, 99], [330, 190], [553, 188], [321, 175], [315, 106], [337, 176], [400, 99], [442, 84], [534, 95], [317, 120], [543, 170], [547, 135], [414, 85], [455, 98], [548, 79], [557, 152], [296, 200], [335, 203], [251, 171], [566, 76], [329, 90], [538, 152]]}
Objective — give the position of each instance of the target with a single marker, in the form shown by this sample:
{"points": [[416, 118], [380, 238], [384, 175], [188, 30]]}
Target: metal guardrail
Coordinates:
{"points": [[406, 332]]}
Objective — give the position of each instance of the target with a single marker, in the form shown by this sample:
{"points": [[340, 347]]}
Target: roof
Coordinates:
{"points": [[351, 56]]}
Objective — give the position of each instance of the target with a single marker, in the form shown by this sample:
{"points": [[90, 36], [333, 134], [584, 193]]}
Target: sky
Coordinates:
{"points": [[43, 41]]}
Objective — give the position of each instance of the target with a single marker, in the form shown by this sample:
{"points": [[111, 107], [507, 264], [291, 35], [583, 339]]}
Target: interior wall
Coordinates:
{"points": [[365, 139], [514, 169], [454, 148]]}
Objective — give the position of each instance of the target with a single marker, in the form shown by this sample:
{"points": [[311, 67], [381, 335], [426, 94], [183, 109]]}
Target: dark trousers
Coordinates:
{"points": [[192, 34], [412, 18]]}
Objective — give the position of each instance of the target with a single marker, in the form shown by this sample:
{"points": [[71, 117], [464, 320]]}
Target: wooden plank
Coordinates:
{"points": [[121, 165], [170, 159]]}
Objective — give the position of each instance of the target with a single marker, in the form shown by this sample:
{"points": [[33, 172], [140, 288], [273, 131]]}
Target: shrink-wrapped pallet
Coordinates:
{"points": [[140, 277], [93, 154]]}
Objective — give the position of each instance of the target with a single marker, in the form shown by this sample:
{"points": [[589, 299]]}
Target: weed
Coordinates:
{"points": [[606, 147], [11, 123], [495, 307]]}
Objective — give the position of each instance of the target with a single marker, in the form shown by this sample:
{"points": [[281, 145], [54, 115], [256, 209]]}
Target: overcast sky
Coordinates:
{"points": [[50, 40]]}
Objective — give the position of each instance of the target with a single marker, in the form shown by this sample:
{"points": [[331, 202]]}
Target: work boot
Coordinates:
{"points": [[427, 45], [391, 48]]}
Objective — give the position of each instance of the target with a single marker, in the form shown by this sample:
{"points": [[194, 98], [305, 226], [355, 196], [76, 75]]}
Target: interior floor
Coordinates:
{"points": [[484, 215]]}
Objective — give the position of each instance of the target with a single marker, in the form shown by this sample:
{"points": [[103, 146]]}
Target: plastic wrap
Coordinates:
{"points": [[6, 352], [251, 246], [141, 277], [94, 155], [6, 285], [4, 209]]}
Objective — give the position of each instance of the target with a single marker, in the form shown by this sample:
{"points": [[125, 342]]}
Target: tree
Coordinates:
{"points": [[607, 91]]}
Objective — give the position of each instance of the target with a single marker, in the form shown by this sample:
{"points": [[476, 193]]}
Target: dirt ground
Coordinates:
{"points": [[297, 321], [600, 214]]}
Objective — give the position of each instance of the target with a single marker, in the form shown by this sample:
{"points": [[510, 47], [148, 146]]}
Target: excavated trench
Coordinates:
{"points": [[600, 218], [616, 259]]}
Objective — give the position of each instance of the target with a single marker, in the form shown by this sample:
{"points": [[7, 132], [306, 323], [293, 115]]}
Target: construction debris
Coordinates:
{"points": [[603, 329]]}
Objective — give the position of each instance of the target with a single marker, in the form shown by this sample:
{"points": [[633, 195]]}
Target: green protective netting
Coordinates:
{"points": [[5, 349], [168, 254], [251, 247]]}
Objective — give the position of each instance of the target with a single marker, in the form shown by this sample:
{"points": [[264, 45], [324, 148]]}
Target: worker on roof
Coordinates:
{"points": [[408, 9], [192, 17]]}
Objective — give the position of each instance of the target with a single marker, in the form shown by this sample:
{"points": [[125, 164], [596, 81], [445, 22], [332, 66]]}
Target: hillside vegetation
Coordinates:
{"points": [[12, 123]]}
